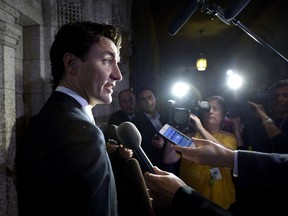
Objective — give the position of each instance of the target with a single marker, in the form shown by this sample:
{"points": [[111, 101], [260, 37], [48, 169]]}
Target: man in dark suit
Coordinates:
{"points": [[64, 168], [148, 121], [127, 103], [118, 153]]}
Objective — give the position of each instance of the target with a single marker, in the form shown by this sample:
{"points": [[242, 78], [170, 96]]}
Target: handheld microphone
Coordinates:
{"points": [[111, 133], [183, 17], [232, 12], [131, 138], [140, 196]]}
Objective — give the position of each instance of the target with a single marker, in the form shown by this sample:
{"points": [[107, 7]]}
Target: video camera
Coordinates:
{"points": [[238, 101], [179, 113]]}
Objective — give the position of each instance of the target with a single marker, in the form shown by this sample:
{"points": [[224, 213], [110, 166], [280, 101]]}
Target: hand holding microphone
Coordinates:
{"points": [[157, 141], [125, 153], [113, 143], [131, 138]]}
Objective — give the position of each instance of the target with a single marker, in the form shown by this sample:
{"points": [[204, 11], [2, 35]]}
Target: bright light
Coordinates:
{"points": [[234, 81], [180, 89], [230, 72]]}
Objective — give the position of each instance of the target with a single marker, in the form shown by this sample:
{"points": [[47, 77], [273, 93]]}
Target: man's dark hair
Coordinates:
{"points": [[141, 89], [77, 38], [278, 84], [124, 90]]}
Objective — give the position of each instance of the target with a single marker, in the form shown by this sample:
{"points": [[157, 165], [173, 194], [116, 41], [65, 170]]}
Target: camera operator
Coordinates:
{"points": [[215, 183], [275, 121]]}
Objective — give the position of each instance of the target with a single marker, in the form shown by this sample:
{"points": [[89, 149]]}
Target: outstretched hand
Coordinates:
{"points": [[206, 152]]}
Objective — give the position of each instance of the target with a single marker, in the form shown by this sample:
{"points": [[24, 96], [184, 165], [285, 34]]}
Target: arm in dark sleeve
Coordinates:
{"points": [[189, 202], [280, 143], [266, 169]]}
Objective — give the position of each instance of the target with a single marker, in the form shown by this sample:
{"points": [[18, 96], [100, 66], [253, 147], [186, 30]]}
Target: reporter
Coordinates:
{"points": [[170, 192], [248, 165], [262, 177]]}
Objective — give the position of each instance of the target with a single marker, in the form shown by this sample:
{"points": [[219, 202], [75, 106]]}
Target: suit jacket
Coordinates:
{"points": [[188, 202], [118, 117], [147, 130], [262, 183], [64, 168], [264, 173]]}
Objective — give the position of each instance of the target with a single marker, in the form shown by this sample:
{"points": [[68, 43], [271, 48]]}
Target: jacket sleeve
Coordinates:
{"points": [[265, 169], [280, 143], [189, 202]]}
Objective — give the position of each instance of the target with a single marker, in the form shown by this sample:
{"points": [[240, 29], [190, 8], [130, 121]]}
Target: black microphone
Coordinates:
{"points": [[131, 138], [235, 9], [140, 197], [111, 133], [183, 17]]}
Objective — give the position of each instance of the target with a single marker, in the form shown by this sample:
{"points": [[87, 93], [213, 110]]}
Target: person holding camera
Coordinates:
{"points": [[275, 121], [215, 183]]}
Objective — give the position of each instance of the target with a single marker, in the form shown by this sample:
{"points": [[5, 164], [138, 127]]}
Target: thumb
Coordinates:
{"points": [[198, 142]]}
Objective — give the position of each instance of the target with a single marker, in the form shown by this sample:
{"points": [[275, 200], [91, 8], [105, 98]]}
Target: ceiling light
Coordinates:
{"points": [[201, 63]]}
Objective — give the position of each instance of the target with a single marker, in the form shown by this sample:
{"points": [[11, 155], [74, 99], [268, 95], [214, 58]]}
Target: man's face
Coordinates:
{"points": [[97, 75], [127, 102], [147, 101], [280, 102]]}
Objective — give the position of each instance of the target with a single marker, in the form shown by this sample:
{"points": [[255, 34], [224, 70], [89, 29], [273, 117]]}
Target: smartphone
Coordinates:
{"points": [[174, 136]]}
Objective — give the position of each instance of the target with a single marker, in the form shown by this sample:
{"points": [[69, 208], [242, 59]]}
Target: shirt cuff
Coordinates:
{"points": [[235, 168]]}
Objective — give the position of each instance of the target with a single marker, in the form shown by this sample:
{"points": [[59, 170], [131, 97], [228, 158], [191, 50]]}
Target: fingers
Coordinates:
{"points": [[157, 171], [125, 152], [111, 148]]}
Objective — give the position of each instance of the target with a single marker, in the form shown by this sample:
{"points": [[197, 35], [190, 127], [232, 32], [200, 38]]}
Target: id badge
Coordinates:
{"points": [[216, 174]]}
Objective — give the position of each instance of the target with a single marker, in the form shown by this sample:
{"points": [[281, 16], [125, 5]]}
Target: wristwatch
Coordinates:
{"points": [[268, 121]]}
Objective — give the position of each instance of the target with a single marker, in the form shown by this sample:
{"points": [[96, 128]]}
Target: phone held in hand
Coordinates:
{"points": [[174, 136]]}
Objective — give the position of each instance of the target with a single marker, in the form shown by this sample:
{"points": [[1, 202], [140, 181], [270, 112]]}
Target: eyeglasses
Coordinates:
{"points": [[216, 108]]}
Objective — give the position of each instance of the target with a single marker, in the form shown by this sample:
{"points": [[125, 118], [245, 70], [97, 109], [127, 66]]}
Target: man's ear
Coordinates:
{"points": [[70, 63]]}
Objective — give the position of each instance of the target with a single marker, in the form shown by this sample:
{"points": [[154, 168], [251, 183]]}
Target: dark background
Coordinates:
{"points": [[159, 59]]}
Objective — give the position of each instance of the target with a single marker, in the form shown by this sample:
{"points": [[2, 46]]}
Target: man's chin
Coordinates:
{"points": [[106, 100]]}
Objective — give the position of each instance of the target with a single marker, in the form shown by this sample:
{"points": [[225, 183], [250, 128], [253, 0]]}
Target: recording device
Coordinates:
{"points": [[131, 138], [111, 134], [238, 101], [211, 9], [183, 16], [138, 189], [174, 136], [179, 112], [235, 8]]}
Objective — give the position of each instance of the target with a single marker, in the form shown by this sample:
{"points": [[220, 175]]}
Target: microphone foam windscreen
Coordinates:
{"points": [[111, 132], [235, 8], [129, 135], [140, 196]]}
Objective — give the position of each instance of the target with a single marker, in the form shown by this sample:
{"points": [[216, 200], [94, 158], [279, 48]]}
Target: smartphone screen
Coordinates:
{"points": [[175, 136]]}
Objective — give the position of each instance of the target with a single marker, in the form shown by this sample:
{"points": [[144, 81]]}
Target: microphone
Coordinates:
{"points": [[140, 196], [131, 138], [234, 10], [110, 133], [183, 17]]}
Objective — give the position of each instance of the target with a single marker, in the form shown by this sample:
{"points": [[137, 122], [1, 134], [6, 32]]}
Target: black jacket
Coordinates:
{"points": [[64, 169]]}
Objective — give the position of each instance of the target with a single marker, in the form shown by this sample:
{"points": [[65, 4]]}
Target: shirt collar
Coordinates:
{"points": [[78, 98]]}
